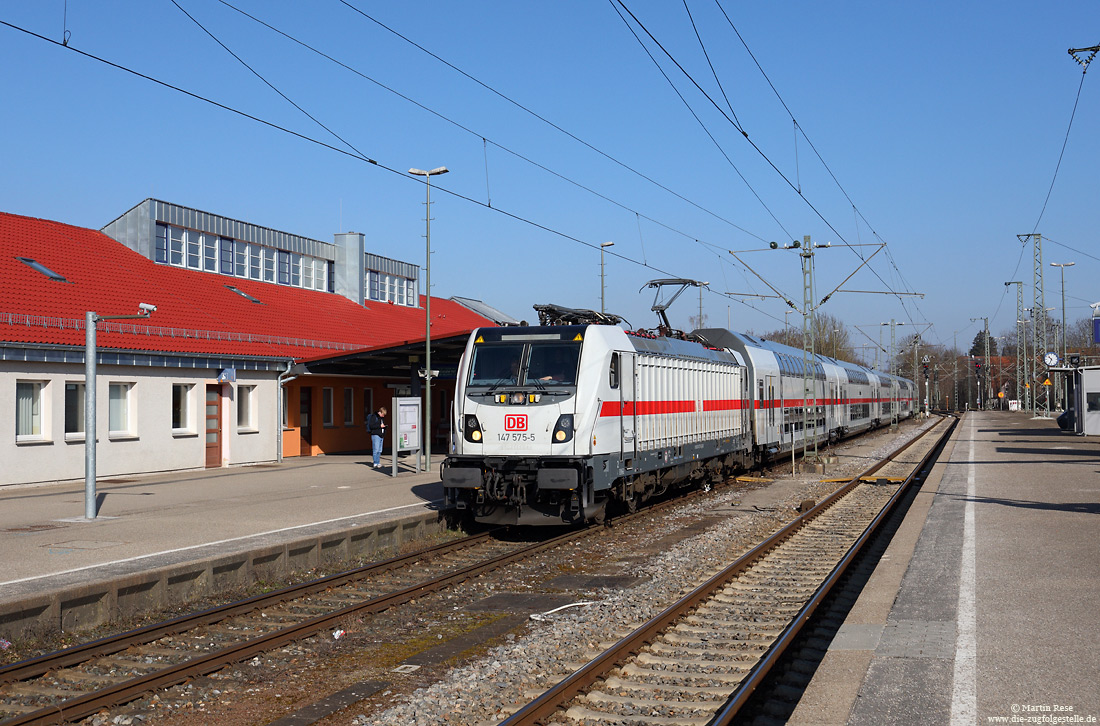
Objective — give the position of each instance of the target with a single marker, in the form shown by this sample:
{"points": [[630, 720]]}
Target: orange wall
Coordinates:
{"points": [[353, 436]]}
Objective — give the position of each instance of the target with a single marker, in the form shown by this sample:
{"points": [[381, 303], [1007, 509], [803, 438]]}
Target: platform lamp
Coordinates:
{"points": [[603, 246], [90, 428], [428, 310]]}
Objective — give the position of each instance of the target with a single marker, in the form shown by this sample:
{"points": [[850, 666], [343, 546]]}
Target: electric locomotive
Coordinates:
{"points": [[553, 423]]}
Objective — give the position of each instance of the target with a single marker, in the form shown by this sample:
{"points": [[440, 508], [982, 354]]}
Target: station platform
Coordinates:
{"points": [[164, 538], [984, 606]]}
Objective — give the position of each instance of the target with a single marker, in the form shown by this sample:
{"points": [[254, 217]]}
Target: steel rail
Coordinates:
{"points": [[763, 667], [92, 702], [552, 700], [140, 636]]}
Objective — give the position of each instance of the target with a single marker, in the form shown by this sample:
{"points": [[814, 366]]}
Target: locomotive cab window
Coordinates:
{"points": [[496, 364], [553, 364], [613, 371], [538, 364]]}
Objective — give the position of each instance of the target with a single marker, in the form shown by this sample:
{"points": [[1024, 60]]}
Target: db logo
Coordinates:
{"points": [[515, 422]]}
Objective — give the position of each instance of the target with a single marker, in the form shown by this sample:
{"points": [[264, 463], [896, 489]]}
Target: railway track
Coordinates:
{"points": [[699, 660], [74, 683], [83, 680]]}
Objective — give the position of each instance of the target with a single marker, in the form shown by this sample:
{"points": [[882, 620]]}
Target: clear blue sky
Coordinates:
{"points": [[942, 121]]}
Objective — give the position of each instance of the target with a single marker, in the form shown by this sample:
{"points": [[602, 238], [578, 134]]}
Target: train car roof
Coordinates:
{"points": [[639, 341], [729, 339]]}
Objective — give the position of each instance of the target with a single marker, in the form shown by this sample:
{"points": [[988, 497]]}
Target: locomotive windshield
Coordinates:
{"points": [[496, 364], [550, 363]]}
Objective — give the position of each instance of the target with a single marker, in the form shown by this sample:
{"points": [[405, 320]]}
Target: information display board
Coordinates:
{"points": [[406, 429]]}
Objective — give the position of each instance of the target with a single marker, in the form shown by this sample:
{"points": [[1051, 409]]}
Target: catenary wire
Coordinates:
{"points": [[536, 115], [619, 3], [354, 155], [507, 150]]}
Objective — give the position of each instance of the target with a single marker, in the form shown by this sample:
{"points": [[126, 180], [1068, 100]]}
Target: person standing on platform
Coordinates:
{"points": [[376, 426]]}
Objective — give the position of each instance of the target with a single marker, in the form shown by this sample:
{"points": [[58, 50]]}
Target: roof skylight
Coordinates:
{"points": [[39, 267], [244, 294]]}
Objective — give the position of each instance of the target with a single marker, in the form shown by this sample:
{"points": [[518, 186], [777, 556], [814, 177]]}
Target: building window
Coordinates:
{"points": [[246, 400], [193, 249], [296, 270], [326, 406], [175, 246], [226, 245], [349, 406], [286, 408], [181, 406], [162, 243], [210, 253], [28, 409], [119, 419], [241, 250], [391, 288], [74, 408], [284, 268], [330, 280], [307, 274], [254, 262], [269, 264]]}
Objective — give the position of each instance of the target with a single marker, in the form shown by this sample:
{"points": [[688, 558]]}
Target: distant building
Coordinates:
{"points": [[263, 343]]}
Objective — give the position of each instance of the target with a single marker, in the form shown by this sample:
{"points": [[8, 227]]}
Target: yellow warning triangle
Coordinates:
{"points": [[1046, 382], [578, 337], [479, 339]]}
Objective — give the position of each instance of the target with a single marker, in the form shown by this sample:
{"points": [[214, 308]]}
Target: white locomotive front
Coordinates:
{"points": [[553, 423]]}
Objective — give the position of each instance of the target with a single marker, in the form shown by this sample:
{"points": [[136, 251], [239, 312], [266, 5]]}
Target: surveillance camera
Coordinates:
{"points": [[147, 308]]}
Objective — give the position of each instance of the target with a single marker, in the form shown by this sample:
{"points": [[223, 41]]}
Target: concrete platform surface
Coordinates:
{"points": [[179, 535], [984, 608]]}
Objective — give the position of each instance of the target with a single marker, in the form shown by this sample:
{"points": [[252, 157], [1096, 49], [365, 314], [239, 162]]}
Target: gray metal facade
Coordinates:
{"points": [[388, 266], [137, 230]]}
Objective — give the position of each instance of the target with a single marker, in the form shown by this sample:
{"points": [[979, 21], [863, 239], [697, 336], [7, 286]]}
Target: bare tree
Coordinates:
{"points": [[831, 337]]}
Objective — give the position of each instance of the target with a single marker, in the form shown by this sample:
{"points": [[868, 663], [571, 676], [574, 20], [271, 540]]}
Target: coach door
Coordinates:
{"points": [[626, 400], [213, 427]]}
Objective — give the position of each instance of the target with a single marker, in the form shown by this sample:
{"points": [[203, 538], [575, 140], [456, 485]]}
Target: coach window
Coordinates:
{"points": [[613, 373]]}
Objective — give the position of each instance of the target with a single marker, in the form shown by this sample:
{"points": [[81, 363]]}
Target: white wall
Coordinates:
{"points": [[152, 444]]}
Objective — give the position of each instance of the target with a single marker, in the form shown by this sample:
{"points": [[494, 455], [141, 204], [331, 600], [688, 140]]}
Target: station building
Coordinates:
{"points": [[263, 344]]}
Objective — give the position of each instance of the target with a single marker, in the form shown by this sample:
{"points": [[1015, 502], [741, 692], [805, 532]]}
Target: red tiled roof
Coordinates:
{"points": [[196, 312]]}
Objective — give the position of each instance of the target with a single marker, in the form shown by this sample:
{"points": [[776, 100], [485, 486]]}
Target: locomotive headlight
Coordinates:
{"points": [[518, 398], [471, 429], [563, 429]]}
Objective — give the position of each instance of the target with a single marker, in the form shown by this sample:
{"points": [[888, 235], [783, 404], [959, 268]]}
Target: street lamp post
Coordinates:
{"points": [[428, 309], [603, 246], [90, 428]]}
